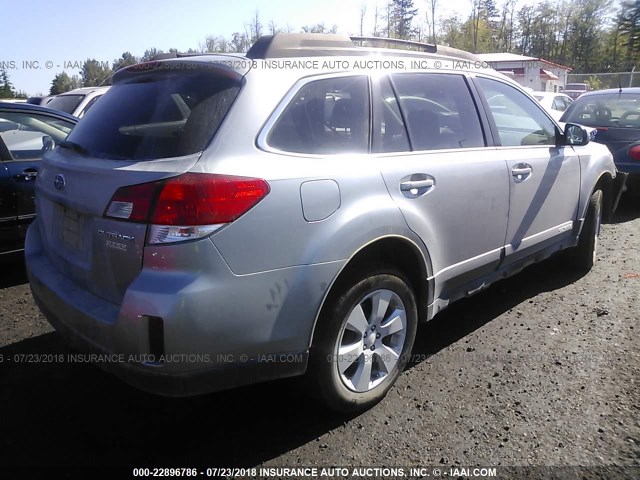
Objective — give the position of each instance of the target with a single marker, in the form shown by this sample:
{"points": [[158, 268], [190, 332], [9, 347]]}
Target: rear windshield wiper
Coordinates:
{"points": [[76, 147]]}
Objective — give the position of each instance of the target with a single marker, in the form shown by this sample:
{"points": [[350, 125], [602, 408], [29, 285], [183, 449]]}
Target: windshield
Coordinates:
{"points": [[575, 86], [607, 110], [156, 116], [538, 97], [65, 103]]}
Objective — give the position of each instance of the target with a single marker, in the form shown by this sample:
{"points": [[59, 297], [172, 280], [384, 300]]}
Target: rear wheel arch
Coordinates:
{"points": [[604, 183], [396, 252]]}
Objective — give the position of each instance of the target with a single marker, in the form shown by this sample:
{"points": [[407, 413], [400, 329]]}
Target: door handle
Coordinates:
{"points": [[416, 184], [521, 172], [28, 174]]}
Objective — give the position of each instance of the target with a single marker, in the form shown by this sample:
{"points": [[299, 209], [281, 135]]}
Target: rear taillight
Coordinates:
{"points": [[188, 206], [634, 153], [132, 203]]}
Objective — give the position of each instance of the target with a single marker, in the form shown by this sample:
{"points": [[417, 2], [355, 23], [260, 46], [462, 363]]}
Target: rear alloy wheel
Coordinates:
{"points": [[584, 255], [371, 341], [363, 340]]}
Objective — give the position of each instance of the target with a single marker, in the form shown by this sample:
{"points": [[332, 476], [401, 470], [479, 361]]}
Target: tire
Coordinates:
{"points": [[583, 256], [359, 351]]}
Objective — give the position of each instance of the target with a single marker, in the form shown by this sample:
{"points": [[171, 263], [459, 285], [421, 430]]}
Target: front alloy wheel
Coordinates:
{"points": [[584, 255]]}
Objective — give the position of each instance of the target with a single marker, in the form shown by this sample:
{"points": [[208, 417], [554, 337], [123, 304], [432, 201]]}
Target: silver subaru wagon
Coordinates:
{"points": [[219, 220]]}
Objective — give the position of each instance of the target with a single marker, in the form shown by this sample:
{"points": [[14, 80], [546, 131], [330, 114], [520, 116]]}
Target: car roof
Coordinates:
{"points": [[609, 91], [322, 49], [85, 90], [549, 94], [30, 108], [313, 45]]}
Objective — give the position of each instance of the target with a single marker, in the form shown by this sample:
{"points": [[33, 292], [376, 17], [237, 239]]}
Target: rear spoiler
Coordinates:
{"points": [[187, 65]]}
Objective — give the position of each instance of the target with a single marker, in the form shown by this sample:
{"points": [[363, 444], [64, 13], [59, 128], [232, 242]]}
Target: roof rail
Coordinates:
{"points": [[301, 45], [165, 56], [382, 42], [283, 45]]}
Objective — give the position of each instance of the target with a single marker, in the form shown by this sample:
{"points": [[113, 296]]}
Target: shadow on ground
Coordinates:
{"points": [[74, 414], [629, 205], [13, 270], [470, 314]]}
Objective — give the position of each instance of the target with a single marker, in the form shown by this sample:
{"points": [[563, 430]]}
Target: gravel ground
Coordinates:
{"points": [[540, 369]]}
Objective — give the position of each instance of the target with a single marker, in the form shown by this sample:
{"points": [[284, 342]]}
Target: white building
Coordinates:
{"points": [[535, 73]]}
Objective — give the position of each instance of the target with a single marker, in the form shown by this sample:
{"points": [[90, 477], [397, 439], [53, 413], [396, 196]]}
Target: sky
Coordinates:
{"points": [[39, 41]]}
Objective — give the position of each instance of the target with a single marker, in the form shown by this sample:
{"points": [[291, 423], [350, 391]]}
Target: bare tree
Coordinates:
{"points": [[255, 28], [432, 4], [363, 12], [389, 18], [318, 28], [376, 16]]}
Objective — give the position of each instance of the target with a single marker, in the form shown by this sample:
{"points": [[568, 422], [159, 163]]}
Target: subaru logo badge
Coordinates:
{"points": [[59, 182]]}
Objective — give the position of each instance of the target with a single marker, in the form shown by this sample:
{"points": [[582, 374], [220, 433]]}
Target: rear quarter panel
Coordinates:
{"points": [[275, 233]]}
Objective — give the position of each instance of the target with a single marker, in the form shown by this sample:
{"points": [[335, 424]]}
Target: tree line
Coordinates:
{"points": [[586, 35]]}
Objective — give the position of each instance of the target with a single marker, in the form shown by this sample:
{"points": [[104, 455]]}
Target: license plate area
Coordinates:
{"points": [[71, 229]]}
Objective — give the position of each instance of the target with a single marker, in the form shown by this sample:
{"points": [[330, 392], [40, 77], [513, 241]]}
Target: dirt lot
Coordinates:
{"points": [[540, 369]]}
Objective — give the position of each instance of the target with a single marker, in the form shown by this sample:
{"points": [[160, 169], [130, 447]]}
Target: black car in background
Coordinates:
{"points": [[27, 132], [615, 113]]}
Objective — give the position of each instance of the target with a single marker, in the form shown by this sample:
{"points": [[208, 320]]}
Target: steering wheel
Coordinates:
{"points": [[630, 119]]}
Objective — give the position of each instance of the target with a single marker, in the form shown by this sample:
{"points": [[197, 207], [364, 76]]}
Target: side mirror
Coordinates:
{"points": [[576, 135]]}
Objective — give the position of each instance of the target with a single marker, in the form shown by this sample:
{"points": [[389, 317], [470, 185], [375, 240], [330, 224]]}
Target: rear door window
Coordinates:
{"points": [[157, 115], [328, 116], [439, 111], [28, 135], [65, 103], [389, 131]]}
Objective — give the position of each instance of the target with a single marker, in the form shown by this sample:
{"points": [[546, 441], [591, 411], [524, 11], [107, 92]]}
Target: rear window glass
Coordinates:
{"points": [[329, 116], [605, 110], [157, 115], [65, 103]]}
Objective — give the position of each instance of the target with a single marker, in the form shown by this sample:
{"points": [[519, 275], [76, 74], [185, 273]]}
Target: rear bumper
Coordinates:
{"points": [[628, 167], [218, 330], [619, 186], [151, 378]]}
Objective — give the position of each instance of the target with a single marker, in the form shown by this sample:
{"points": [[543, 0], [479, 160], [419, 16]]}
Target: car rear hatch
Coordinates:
{"points": [[152, 125], [618, 139], [616, 117]]}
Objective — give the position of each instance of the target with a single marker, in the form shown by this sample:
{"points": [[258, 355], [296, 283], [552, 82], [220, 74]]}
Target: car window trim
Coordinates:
{"points": [[5, 153], [486, 110], [472, 95], [376, 89], [494, 127]]}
